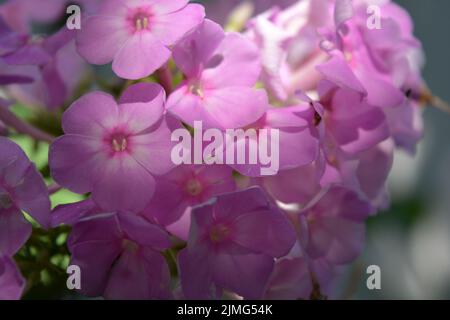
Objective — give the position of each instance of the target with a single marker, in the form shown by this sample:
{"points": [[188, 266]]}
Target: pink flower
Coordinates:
{"points": [[385, 60], [119, 257], [366, 174], [351, 124], [52, 65], [21, 189], [330, 233], [114, 150], [136, 34], [295, 186], [290, 130], [183, 188], [288, 43], [232, 245], [221, 70], [296, 278], [11, 281], [335, 225]]}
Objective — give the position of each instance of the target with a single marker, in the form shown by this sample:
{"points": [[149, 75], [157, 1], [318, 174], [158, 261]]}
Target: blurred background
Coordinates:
{"points": [[411, 242]]}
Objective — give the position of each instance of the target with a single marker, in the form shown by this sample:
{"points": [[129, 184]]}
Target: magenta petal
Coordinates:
{"points": [[23, 183], [95, 260], [124, 185], [298, 185], [140, 56], [153, 150], [141, 106], [236, 53], [297, 148], [233, 205], [348, 204], [28, 55], [246, 275], [95, 245], [189, 108], [337, 71], [32, 197], [163, 209], [13, 163], [406, 125], [164, 6], [101, 37], [144, 233], [291, 280], [194, 51], [77, 162], [14, 231], [298, 141], [139, 274], [234, 107], [71, 213], [90, 114], [381, 93], [361, 132], [171, 27], [195, 275], [340, 240], [374, 168], [12, 283], [265, 231], [337, 234], [56, 88]]}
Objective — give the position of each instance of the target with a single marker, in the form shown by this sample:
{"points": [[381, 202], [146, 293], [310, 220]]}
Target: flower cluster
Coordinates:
{"points": [[342, 91]]}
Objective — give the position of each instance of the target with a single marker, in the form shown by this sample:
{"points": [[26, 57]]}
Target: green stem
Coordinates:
{"points": [[11, 120]]}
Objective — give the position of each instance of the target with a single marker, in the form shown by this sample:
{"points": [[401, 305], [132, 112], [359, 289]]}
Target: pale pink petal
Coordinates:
{"points": [[124, 185], [235, 53], [171, 27], [77, 162], [141, 106], [90, 115], [140, 56], [101, 37]]}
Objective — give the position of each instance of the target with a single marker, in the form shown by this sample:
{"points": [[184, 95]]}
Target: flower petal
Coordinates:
{"points": [[14, 231], [141, 106], [140, 56], [171, 27], [90, 115], [101, 37], [76, 162], [12, 283], [246, 275], [124, 185]]}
